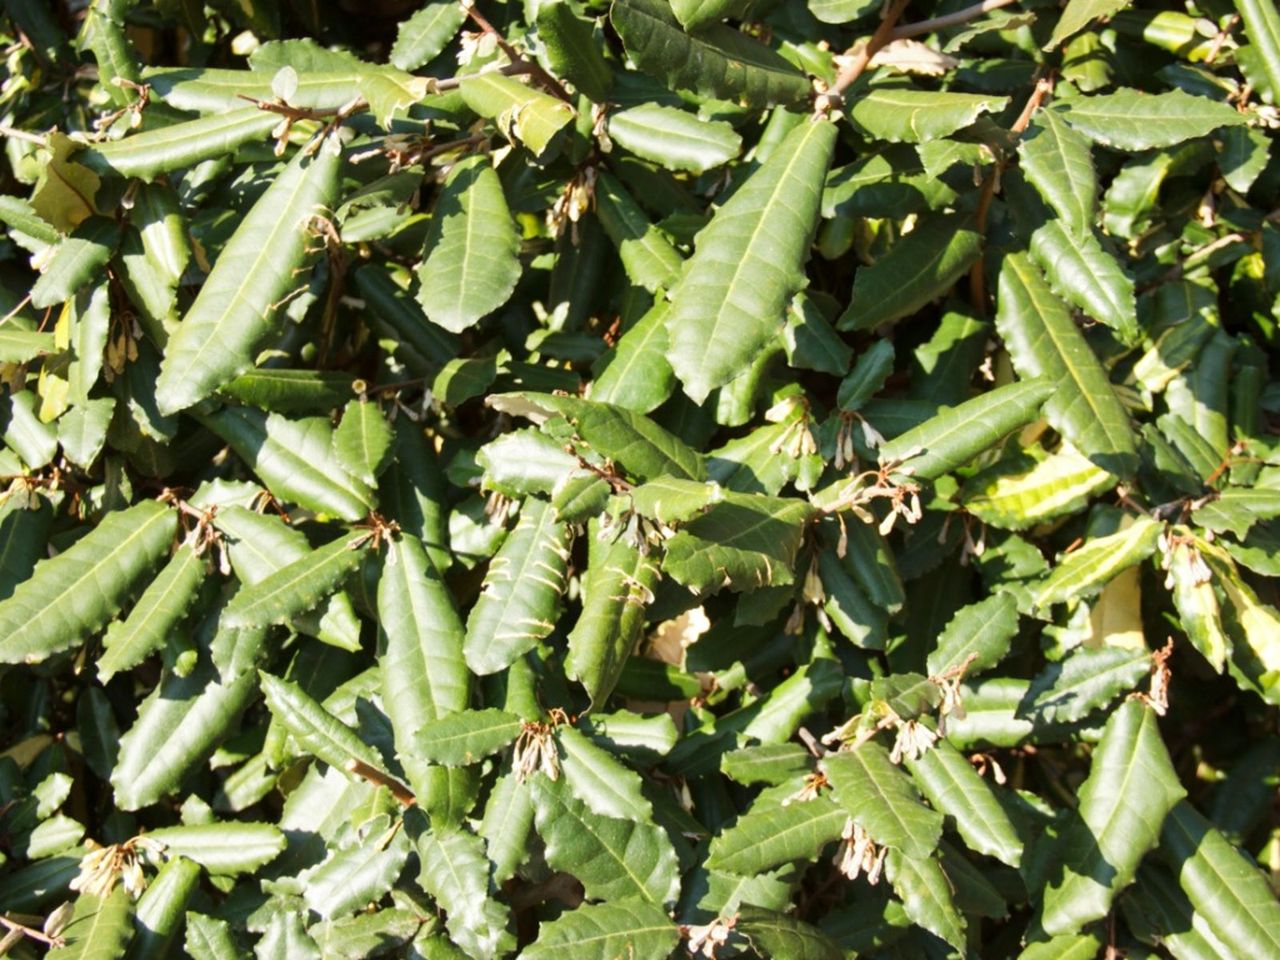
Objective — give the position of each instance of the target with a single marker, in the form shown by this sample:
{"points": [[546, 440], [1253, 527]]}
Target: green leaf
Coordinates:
{"points": [[153, 153], [235, 312], [674, 139], [1194, 598], [317, 731], [76, 261], [647, 256], [279, 390], [1086, 680], [82, 430], [1262, 27], [158, 612], [359, 874], [717, 61], [1084, 946], [1057, 161], [1224, 887], [74, 594], [926, 896], [520, 599], [604, 784], [467, 737], [422, 37], [1131, 787], [223, 849], [612, 859], [775, 934], [1078, 15], [642, 448], [208, 938], [573, 51], [919, 268], [1043, 341], [1132, 120], [20, 346], [616, 589], [635, 929], [882, 799], [472, 253], [954, 437], [1236, 509], [1086, 570], [744, 542], [362, 442], [523, 115], [1030, 488], [455, 872], [900, 114], [983, 630], [160, 911], [178, 726], [294, 458], [1081, 271], [947, 778], [748, 263], [99, 929], [635, 375], [507, 825], [296, 588], [762, 839]]}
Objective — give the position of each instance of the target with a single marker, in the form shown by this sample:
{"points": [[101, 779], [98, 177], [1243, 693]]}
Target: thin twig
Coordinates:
{"points": [[547, 80], [398, 790], [513, 69], [16, 134], [29, 932], [860, 55], [949, 20]]}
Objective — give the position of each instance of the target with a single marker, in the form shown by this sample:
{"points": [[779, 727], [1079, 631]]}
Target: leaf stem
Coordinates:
{"points": [[949, 20], [403, 794], [547, 80], [29, 932], [860, 55]]}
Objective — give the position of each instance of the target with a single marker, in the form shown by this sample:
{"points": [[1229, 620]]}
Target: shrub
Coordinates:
{"points": [[630, 480]]}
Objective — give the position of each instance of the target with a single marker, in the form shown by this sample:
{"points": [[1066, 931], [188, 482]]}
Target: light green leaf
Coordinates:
{"points": [[235, 312], [82, 430], [882, 799], [520, 598], [1078, 15], [1084, 681], [616, 589], [76, 261], [1043, 341], [455, 872], [467, 737], [1131, 787], [918, 269], [1236, 509], [917, 116], [647, 256], [99, 929], [1057, 161], [523, 114], [317, 731], [472, 252], [1086, 570], [635, 929], [296, 588], [422, 37], [1132, 120], [1084, 946], [208, 938], [178, 726], [160, 911], [158, 612], [294, 458], [224, 849], [984, 630], [947, 778], [599, 780], [573, 51], [717, 61], [1030, 488], [152, 153], [20, 346], [953, 438], [359, 874], [748, 263], [1080, 270], [74, 594], [613, 859], [673, 138], [1262, 27], [745, 541], [1224, 887], [362, 442], [635, 375]]}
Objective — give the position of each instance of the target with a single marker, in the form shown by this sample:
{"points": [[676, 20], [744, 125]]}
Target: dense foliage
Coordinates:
{"points": [[622, 480]]}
